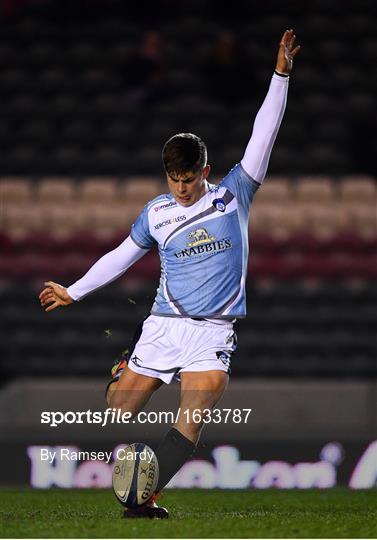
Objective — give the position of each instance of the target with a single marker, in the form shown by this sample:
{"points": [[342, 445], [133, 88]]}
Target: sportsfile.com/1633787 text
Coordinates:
{"points": [[116, 416]]}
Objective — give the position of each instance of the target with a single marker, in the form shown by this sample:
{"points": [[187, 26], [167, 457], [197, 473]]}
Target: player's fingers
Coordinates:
{"points": [[53, 285], [53, 306], [291, 42], [48, 300], [44, 292], [295, 51], [286, 37]]}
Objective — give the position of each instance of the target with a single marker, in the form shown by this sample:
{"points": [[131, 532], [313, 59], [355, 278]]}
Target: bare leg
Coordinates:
{"points": [[132, 391], [199, 391], [111, 389]]}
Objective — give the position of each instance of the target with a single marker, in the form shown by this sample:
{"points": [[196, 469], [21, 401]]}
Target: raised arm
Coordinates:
{"points": [[268, 120], [104, 271]]}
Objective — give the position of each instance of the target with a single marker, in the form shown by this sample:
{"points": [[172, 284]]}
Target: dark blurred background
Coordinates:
{"points": [[90, 90]]}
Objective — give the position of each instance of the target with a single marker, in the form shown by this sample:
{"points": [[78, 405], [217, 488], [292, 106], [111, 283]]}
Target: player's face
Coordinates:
{"points": [[188, 188]]}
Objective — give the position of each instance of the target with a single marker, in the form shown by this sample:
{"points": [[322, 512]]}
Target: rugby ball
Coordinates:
{"points": [[135, 475]]}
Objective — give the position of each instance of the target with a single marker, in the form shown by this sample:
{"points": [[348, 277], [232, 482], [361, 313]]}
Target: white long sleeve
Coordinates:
{"points": [[266, 126], [107, 268]]}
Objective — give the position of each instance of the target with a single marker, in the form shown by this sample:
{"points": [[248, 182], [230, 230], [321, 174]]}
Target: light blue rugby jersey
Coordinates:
{"points": [[203, 249]]}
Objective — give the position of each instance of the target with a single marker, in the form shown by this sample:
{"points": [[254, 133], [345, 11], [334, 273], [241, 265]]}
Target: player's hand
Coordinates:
{"points": [[55, 295], [286, 54]]}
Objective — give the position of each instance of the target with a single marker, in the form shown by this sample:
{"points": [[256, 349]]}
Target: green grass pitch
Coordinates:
{"points": [[193, 514]]}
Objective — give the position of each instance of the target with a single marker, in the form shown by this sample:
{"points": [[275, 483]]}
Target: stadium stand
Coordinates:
{"points": [[313, 266], [80, 151], [68, 88], [291, 330]]}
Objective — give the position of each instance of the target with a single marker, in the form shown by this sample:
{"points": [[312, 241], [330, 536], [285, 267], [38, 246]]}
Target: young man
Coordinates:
{"points": [[202, 236]]}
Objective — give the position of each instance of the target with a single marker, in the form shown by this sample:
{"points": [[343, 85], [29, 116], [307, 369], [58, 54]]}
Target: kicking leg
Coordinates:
{"points": [[130, 394], [132, 391], [119, 366]]}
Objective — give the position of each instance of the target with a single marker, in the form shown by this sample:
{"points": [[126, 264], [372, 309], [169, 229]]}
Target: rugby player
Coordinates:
{"points": [[201, 231]]}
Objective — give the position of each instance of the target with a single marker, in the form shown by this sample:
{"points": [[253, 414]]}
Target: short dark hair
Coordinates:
{"points": [[184, 152]]}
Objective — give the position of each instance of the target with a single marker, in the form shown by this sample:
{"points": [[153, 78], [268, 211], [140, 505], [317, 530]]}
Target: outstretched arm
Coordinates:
{"points": [[104, 271], [268, 120]]}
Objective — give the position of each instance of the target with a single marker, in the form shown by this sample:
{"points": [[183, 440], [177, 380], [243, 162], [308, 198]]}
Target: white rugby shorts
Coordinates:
{"points": [[169, 346]]}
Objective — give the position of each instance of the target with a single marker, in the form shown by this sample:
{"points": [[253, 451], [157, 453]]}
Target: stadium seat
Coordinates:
{"points": [[95, 79], [98, 189], [285, 158], [323, 220], [15, 189], [334, 49], [22, 158], [118, 131], [315, 189], [279, 221], [53, 79], [56, 189], [319, 104], [65, 158], [65, 220], [42, 53], [112, 158], [362, 218], [13, 78], [369, 46], [343, 75], [140, 189], [7, 52], [275, 189], [111, 220], [336, 158], [331, 131], [358, 103], [79, 132], [358, 188], [37, 131], [64, 105], [82, 52], [22, 219]]}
